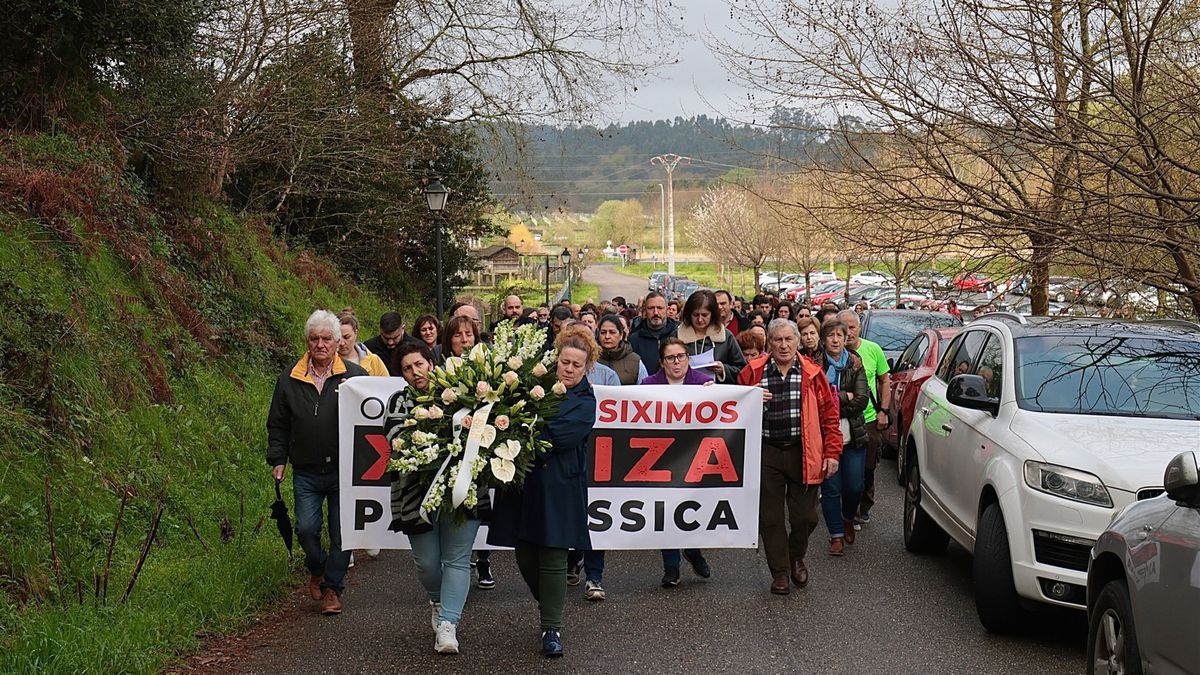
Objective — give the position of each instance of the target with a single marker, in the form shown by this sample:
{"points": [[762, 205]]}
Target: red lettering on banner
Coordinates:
{"points": [[677, 412], [641, 412], [380, 445], [630, 411], [729, 412], [701, 467], [608, 410], [602, 473], [643, 471]]}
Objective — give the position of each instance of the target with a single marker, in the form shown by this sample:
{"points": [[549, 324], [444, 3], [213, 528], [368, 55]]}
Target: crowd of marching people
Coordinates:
{"points": [[824, 392]]}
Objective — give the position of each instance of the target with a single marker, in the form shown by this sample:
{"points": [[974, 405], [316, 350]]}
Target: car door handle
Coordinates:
{"points": [[947, 428], [924, 412]]}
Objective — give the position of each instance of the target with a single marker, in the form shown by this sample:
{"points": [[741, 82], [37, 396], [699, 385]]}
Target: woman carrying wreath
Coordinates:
{"points": [[441, 549], [548, 515]]}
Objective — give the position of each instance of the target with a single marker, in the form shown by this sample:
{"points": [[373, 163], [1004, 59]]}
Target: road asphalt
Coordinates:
{"points": [[879, 609], [613, 283]]}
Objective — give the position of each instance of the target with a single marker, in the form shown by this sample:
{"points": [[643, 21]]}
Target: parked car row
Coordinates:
{"points": [[1022, 439]]}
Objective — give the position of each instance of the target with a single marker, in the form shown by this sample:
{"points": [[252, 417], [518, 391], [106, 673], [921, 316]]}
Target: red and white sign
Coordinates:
{"points": [[667, 467], [622, 249]]}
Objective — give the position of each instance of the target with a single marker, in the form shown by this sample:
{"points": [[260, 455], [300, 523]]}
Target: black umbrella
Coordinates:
{"points": [[279, 514]]}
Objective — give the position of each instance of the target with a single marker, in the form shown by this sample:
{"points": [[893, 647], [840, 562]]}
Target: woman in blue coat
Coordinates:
{"points": [[548, 515]]}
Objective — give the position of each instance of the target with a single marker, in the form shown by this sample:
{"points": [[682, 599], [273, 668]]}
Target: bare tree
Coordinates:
{"points": [[727, 228], [1043, 127]]}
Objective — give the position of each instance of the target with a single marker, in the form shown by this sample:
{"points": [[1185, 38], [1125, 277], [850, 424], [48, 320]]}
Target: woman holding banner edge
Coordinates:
{"points": [[548, 515], [441, 549], [673, 369]]}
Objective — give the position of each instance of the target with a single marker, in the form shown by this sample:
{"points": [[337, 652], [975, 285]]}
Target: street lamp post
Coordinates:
{"points": [[435, 197], [565, 257]]}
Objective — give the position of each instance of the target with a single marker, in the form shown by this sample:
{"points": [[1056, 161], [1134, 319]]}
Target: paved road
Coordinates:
{"points": [[878, 610], [613, 283]]}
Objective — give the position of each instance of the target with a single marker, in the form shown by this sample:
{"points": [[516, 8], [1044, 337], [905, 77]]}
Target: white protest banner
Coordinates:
{"points": [[365, 484], [668, 467], [675, 467]]}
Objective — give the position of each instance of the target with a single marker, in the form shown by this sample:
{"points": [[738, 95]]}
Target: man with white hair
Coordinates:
{"points": [[302, 430], [801, 447], [876, 416]]}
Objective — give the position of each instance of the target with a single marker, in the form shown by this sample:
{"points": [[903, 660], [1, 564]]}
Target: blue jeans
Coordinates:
{"points": [[593, 563], [841, 492], [443, 558], [671, 556], [310, 490]]}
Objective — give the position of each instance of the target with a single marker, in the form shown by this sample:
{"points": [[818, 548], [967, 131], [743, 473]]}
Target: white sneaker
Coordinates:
{"points": [[447, 640], [351, 561], [373, 552], [436, 609]]}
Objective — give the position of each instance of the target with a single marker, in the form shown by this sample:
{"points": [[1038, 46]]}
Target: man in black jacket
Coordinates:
{"points": [[391, 334], [302, 428], [651, 329]]}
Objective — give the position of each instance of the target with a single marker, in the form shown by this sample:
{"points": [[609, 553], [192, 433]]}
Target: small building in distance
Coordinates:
{"points": [[496, 263]]}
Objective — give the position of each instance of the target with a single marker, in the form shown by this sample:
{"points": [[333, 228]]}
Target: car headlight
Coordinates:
{"points": [[1078, 486]]}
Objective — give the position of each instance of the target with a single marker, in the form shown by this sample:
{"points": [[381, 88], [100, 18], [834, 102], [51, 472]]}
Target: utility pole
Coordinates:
{"points": [[662, 227], [669, 162]]}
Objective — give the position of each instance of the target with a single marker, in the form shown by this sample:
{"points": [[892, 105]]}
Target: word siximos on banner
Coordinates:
{"points": [[668, 467], [675, 467]]}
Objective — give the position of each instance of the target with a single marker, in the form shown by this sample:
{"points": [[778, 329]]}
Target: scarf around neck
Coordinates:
{"points": [[619, 360], [833, 371]]}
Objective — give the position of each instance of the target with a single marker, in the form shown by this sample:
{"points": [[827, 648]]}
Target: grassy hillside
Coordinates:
{"points": [[137, 357]]}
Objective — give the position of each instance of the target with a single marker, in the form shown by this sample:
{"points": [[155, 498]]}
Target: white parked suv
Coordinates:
{"points": [[1032, 433]]}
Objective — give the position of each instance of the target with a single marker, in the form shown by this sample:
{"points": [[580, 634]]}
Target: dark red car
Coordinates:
{"points": [[914, 365]]}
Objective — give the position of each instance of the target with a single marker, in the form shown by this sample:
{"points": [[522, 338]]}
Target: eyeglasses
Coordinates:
{"points": [[675, 358]]}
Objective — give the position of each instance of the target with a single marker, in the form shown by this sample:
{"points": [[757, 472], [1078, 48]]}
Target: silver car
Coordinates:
{"points": [[1143, 585]]}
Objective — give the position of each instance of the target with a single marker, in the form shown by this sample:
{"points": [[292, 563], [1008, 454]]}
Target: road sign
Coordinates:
{"points": [[622, 249]]}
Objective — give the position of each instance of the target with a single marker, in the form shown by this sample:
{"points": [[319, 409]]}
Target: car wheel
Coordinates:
{"points": [[996, 600], [921, 534], [1061, 297], [1112, 640]]}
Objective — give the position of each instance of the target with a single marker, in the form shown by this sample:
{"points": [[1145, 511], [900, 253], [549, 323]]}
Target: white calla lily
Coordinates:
{"points": [[508, 450], [487, 436], [503, 469]]}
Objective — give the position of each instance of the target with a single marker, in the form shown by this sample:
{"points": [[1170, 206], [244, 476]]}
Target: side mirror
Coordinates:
{"points": [[1182, 479], [891, 363], [970, 391]]}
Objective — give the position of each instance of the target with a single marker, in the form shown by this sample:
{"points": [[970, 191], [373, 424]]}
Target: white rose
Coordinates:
{"points": [[503, 469], [539, 370], [511, 378], [397, 443], [508, 450], [420, 413], [515, 362], [537, 393], [483, 388], [559, 388], [435, 413], [448, 396], [502, 422]]}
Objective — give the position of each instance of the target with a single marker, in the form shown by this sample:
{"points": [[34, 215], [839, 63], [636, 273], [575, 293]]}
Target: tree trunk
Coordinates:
{"points": [[1039, 275], [368, 29]]}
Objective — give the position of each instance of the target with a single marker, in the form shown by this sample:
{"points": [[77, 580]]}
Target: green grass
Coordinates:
{"points": [[583, 291], [106, 387]]}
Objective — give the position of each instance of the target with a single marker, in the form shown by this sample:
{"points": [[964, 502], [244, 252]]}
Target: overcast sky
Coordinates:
{"points": [[697, 84]]}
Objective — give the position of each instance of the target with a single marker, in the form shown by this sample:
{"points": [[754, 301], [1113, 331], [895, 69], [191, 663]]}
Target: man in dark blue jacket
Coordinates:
{"points": [[650, 329], [302, 428]]}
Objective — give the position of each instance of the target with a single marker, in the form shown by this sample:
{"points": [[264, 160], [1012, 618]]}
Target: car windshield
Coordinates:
{"points": [[1109, 375], [893, 332]]}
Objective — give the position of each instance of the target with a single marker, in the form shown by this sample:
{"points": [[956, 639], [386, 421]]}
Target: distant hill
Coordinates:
{"points": [[576, 168]]}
